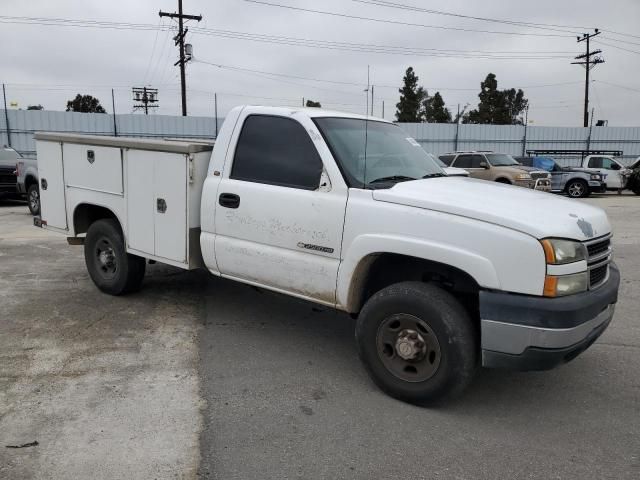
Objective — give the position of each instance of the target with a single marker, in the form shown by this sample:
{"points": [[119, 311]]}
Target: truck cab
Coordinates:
{"points": [[616, 173]]}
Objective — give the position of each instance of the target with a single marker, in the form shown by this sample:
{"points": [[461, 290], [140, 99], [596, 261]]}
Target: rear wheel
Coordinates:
{"points": [[577, 189], [33, 199], [417, 343], [112, 269]]}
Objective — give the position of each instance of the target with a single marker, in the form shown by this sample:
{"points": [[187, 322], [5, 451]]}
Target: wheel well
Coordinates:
{"points": [[30, 180], [574, 180], [85, 214], [378, 271], [503, 180]]}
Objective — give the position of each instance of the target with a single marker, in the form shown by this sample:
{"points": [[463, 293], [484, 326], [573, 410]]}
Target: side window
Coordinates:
{"points": [[476, 160], [463, 161], [446, 159], [276, 151], [595, 162], [610, 164]]}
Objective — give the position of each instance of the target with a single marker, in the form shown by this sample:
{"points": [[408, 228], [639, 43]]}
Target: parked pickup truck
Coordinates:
{"points": [[617, 174], [27, 171], [443, 274], [574, 181], [8, 178]]}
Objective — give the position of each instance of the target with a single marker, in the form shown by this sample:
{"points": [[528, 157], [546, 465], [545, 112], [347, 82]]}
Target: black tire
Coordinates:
{"points": [[112, 269], [633, 183], [443, 318], [577, 189], [33, 199]]}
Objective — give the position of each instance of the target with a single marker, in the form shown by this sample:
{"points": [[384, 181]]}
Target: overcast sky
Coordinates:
{"points": [[49, 64]]}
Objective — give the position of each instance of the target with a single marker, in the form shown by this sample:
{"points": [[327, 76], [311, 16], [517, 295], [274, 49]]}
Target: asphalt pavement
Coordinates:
{"points": [[199, 377]]}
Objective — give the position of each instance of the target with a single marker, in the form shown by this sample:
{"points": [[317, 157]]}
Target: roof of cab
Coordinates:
{"points": [[311, 112]]}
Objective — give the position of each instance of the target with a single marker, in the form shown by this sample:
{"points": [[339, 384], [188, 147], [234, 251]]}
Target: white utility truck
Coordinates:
{"points": [[614, 171], [443, 274]]}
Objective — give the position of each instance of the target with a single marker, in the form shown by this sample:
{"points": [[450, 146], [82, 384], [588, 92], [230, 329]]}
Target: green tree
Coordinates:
{"points": [[434, 111], [408, 109], [85, 103], [497, 107], [35, 107], [311, 103]]}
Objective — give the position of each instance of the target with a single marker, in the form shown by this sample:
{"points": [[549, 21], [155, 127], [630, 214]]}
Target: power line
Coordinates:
{"points": [[542, 26], [383, 49], [67, 22], [621, 34], [397, 22], [291, 41], [619, 86], [153, 51], [618, 48], [617, 40]]}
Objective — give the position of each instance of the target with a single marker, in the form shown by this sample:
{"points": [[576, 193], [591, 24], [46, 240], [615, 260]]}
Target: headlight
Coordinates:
{"points": [[558, 286], [523, 176], [596, 177], [559, 252]]}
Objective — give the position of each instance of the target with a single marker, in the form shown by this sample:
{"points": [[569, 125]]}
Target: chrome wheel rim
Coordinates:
{"points": [[576, 189], [34, 200]]}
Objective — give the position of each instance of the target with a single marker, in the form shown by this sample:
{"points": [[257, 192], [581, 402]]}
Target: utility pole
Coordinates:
{"points": [[382, 108], [215, 108], [6, 115], [588, 63], [146, 97], [113, 104], [179, 41], [372, 100], [366, 91], [526, 123]]}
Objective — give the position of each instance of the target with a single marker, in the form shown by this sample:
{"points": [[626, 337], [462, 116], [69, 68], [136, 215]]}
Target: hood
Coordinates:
{"points": [[538, 214], [530, 169], [455, 172]]}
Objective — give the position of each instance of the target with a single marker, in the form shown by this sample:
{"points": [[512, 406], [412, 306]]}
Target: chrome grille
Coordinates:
{"points": [[537, 175], [598, 247], [599, 256]]}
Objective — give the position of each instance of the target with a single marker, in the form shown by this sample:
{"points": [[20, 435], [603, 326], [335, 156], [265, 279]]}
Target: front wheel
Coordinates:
{"points": [[417, 343], [33, 199], [112, 269], [577, 189]]}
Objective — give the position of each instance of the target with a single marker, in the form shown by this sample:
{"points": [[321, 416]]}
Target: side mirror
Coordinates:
{"points": [[615, 166], [484, 165]]}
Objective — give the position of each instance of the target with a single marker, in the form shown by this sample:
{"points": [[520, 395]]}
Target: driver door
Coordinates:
{"points": [[279, 216], [610, 168]]}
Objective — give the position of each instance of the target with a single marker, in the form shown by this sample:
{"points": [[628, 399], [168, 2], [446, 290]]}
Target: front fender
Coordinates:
{"points": [[365, 246]]}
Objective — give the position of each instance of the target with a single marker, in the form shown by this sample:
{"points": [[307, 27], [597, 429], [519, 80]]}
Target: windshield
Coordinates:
{"points": [[501, 160], [391, 155], [437, 160]]}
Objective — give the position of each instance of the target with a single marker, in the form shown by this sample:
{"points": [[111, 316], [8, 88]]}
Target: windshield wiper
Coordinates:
{"points": [[434, 175], [392, 178]]}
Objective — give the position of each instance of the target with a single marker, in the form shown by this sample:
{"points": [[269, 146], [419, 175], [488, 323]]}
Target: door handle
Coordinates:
{"points": [[229, 200]]}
